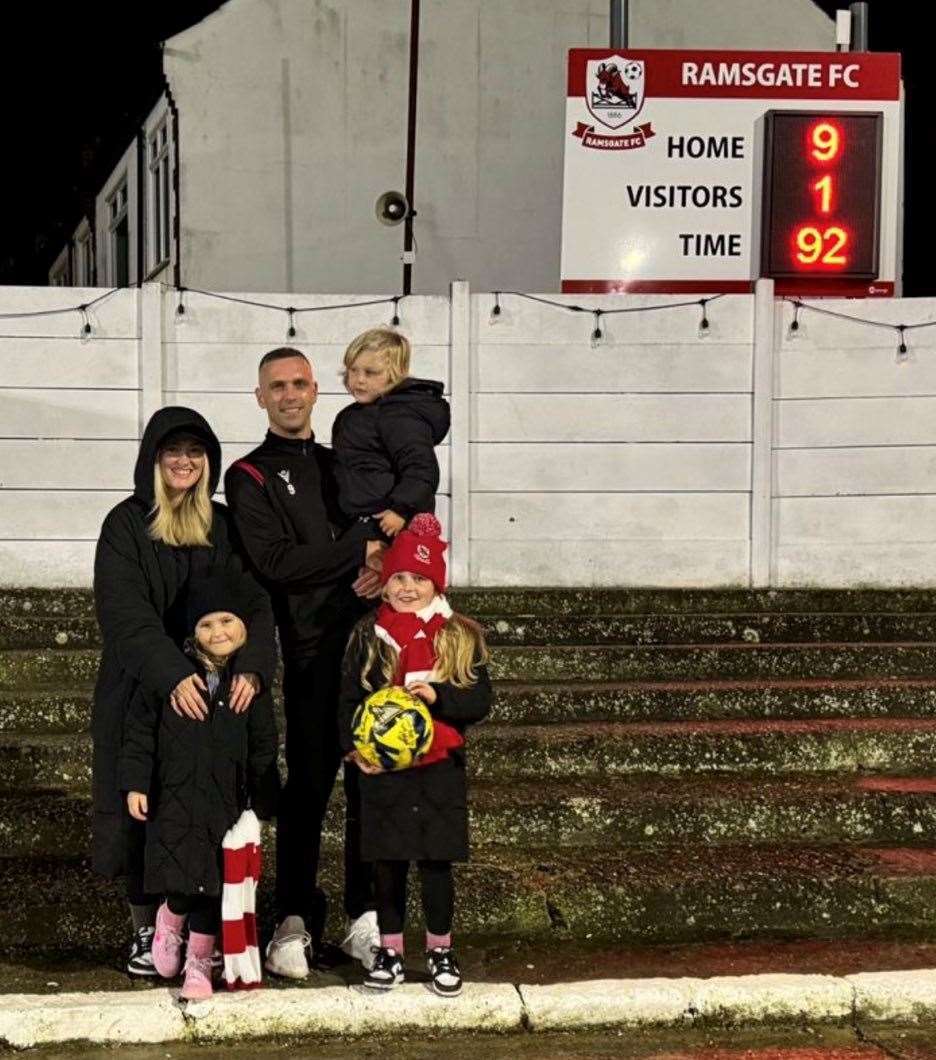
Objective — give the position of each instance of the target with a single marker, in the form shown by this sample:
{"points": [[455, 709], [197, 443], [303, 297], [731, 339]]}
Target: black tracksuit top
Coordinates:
{"points": [[284, 499], [384, 451]]}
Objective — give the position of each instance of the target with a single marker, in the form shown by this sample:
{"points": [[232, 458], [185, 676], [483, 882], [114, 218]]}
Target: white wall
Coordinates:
{"points": [[855, 448], [640, 462], [293, 121]]}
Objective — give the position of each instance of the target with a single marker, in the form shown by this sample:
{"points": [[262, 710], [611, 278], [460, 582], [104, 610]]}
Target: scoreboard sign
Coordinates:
{"points": [[701, 171]]}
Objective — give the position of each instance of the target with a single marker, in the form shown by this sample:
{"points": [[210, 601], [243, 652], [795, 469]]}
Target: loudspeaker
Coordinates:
{"points": [[391, 208]]}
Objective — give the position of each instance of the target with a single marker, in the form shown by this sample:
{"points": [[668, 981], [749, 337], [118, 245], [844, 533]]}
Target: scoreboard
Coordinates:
{"points": [[700, 171], [822, 190]]}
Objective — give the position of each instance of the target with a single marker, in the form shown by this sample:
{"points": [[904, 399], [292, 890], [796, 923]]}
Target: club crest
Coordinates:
{"points": [[614, 90], [284, 475]]}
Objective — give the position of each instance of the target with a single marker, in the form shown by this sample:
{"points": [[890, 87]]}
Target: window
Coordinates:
{"points": [[83, 270], [119, 229], [160, 233]]}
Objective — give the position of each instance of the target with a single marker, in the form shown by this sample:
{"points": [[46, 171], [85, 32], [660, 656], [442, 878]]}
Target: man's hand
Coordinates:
{"points": [[243, 689], [362, 763], [425, 692], [137, 805], [367, 585], [390, 522], [187, 700]]}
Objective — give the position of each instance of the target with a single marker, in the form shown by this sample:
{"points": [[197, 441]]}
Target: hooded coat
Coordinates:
{"points": [[139, 596], [385, 450]]}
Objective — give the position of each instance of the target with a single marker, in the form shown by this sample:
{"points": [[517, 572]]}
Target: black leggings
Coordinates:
{"points": [[136, 842], [203, 911], [438, 895]]}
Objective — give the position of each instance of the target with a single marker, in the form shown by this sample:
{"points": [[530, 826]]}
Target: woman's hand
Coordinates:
{"points": [[425, 692], [243, 689], [137, 805], [362, 763], [390, 522], [187, 700]]}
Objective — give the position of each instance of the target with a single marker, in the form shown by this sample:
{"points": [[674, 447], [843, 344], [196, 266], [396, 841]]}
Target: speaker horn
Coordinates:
{"points": [[391, 208]]}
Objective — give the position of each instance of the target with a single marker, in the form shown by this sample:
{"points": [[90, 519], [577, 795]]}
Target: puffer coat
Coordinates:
{"points": [[198, 777], [139, 595], [419, 813]]}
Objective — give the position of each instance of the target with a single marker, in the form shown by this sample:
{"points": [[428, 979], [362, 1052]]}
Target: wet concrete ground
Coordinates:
{"points": [[889, 1043], [519, 961]]}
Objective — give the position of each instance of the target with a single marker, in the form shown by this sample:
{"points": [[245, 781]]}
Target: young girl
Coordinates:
{"points": [[384, 443], [418, 814], [189, 779]]}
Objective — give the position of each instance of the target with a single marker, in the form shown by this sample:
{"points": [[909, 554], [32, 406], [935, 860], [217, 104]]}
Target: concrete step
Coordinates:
{"points": [[634, 811], [26, 669], [672, 895], [79, 603], [43, 632], [54, 710], [35, 763]]}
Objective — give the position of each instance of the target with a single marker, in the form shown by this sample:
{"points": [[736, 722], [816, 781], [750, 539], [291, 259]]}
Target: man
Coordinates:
{"points": [[284, 500]]}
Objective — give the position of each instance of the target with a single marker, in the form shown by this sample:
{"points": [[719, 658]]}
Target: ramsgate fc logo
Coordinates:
{"points": [[614, 96], [614, 90]]}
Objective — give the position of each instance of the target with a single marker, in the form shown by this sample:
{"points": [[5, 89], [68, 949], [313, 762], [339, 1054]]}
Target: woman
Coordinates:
{"points": [[150, 545]]}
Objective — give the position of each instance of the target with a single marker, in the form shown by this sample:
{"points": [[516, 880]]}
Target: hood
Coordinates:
{"points": [[163, 423], [423, 396]]}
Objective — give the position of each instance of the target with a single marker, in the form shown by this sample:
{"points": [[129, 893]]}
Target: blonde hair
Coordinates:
{"points": [[459, 650], [394, 346], [187, 519]]}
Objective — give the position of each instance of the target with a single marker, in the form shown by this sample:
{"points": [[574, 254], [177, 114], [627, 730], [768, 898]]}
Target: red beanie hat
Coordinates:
{"points": [[417, 550]]}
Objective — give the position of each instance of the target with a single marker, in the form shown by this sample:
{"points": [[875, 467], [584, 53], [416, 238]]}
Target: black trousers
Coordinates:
{"points": [[438, 895], [313, 758], [203, 911]]}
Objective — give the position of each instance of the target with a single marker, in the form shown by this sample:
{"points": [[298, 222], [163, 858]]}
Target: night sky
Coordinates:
{"points": [[77, 78]]}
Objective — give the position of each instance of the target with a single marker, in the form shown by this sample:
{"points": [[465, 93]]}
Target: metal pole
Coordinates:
{"points": [[410, 189], [619, 19], [859, 32]]}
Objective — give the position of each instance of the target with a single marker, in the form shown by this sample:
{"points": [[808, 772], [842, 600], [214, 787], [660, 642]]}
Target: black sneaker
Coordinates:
{"points": [[443, 969], [387, 971], [140, 961]]}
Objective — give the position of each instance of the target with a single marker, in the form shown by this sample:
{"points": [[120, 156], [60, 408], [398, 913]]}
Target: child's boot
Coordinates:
{"points": [[197, 985], [167, 942]]}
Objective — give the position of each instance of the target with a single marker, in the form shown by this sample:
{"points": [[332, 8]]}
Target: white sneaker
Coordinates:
{"points": [[363, 939], [287, 953]]}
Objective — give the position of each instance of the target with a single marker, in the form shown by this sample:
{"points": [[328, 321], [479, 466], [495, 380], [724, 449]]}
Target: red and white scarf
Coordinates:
{"points": [[412, 635], [241, 848]]}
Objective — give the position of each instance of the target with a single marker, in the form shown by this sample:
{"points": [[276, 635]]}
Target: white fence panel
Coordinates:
{"points": [[855, 448]]}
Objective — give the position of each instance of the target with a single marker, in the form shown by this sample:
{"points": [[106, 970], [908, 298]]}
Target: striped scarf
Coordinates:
{"points": [[241, 847]]}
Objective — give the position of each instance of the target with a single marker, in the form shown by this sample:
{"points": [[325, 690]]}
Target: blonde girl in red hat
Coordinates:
{"points": [[420, 814]]}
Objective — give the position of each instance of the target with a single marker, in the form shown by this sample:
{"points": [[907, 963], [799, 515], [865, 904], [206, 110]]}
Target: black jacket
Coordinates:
{"points": [[385, 450], [198, 776], [284, 500], [139, 590], [422, 812]]}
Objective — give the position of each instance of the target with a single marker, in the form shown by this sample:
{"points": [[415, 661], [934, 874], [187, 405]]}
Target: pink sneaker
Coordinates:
{"points": [[167, 942], [197, 985]]}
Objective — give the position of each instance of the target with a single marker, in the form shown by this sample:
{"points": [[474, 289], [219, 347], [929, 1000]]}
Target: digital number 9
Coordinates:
{"points": [[826, 141]]}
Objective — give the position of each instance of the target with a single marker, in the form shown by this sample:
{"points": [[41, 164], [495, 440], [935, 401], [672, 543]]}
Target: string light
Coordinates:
{"points": [[291, 332], [795, 330], [395, 320], [495, 309], [704, 330], [85, 331], [180, 308], [597, 334], [903, 351]]}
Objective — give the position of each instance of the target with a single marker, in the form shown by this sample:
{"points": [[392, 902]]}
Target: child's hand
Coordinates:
{"points": [[390, 522], [425, 692], [243, 689], [137, 805], [362, 763], [186, 698]]}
